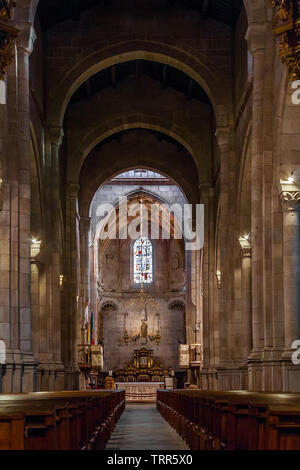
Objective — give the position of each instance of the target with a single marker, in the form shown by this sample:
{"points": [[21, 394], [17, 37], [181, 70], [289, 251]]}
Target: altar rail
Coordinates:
{"points": [[235, 420], [78, 420]]}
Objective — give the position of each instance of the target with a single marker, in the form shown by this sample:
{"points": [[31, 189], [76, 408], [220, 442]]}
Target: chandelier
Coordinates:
{"points": [[145, 304], [287, 31]]}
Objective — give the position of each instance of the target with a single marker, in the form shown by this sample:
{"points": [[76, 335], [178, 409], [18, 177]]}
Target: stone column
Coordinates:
{"points": [[53, 236], [260, 39], [72, 333], [85, 225], [21, 365], [246, 301], [256, 38], [291, 267], [222, 135]]}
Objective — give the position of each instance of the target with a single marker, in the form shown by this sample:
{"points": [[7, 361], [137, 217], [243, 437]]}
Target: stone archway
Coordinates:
{"points": [[95, 61]]}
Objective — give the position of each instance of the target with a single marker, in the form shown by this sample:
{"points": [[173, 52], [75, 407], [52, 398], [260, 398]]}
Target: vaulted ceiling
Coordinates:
{"points": [[165, 74], [52, 12]]}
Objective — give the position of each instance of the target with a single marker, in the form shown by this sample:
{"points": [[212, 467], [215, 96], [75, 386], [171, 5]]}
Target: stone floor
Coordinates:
{"points": [[141, 427]]}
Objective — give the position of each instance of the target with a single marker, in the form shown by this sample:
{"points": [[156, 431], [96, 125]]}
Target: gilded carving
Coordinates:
{"points": [[6, 8], [288, 34], [283, 8], [8, 35], [7, 38]]}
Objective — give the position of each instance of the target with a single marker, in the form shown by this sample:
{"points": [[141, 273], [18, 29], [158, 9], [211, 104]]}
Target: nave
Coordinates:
{"points": [[141, 427]]}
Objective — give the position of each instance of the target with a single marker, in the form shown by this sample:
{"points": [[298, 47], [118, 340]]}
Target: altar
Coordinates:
{"points": [[140, 391], [142, 377]]}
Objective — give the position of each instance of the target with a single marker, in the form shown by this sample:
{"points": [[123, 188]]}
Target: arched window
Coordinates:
{"points": [[143, 261]]}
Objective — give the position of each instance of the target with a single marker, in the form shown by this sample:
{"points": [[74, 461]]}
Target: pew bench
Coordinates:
{"points": [[59, 421], [236, 420]]}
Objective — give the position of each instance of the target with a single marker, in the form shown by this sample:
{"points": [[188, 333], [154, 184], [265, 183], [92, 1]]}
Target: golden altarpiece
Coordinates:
{"points": [[143, 368]]}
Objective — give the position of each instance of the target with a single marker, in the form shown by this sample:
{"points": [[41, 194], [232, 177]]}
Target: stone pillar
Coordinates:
{"points": [[291, 267], [222, 135], [246, 301], [290, 198], [21, 365], [85, 224], [255, 37], [72, 333], [53, 237]]}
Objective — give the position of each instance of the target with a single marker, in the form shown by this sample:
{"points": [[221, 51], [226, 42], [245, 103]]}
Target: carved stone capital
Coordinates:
{"points": [[246, 251], [222, 135], [73, 189], [245, 247], [56, 135], [290, 200], [85, 224], [255, 37]]}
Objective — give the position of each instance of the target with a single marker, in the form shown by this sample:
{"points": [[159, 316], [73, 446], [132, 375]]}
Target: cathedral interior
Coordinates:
{"points": [[149, 107]]}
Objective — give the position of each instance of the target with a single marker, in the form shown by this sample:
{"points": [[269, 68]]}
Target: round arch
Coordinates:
{"points": [[91, 63], [127, 122], [131, 196]]}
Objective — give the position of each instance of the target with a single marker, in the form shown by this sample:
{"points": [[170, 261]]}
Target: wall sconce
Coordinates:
{"points": [[35, 247], [1, 193], [218, 276], [61, 281]]}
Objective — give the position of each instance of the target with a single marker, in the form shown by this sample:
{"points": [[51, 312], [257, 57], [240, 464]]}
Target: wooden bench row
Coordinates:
{"points": [[235, 420], [80, 420]]}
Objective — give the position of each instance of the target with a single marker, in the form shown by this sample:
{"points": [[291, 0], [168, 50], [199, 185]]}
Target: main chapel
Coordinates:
{"points": [[149, 223]]}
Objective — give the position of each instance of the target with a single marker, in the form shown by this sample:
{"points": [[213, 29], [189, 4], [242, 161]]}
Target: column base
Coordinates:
{"points": [[232, 378], [50, 377], [72, 375], [19, 372]]}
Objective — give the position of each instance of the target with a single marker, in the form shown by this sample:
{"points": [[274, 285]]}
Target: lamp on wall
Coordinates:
{"points": [[1, 193], [218, 276]]}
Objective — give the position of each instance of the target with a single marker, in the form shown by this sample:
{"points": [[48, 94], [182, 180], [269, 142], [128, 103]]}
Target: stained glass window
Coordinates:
{"points": [[143, 261]]}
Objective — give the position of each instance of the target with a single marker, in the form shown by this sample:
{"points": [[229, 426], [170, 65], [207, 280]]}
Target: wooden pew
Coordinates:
{"points": [[59, 420], [12, 431], [236, 420]]}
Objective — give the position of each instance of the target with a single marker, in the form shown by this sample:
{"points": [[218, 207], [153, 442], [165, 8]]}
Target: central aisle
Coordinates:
{"points": [[141, 427]]}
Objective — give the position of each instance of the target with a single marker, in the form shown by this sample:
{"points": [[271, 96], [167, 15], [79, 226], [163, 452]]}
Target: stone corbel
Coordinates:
{"points": [[56, 134]]}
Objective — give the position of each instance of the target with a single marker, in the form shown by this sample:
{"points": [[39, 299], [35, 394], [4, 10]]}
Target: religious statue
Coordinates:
{"points": [[144, 330]]}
